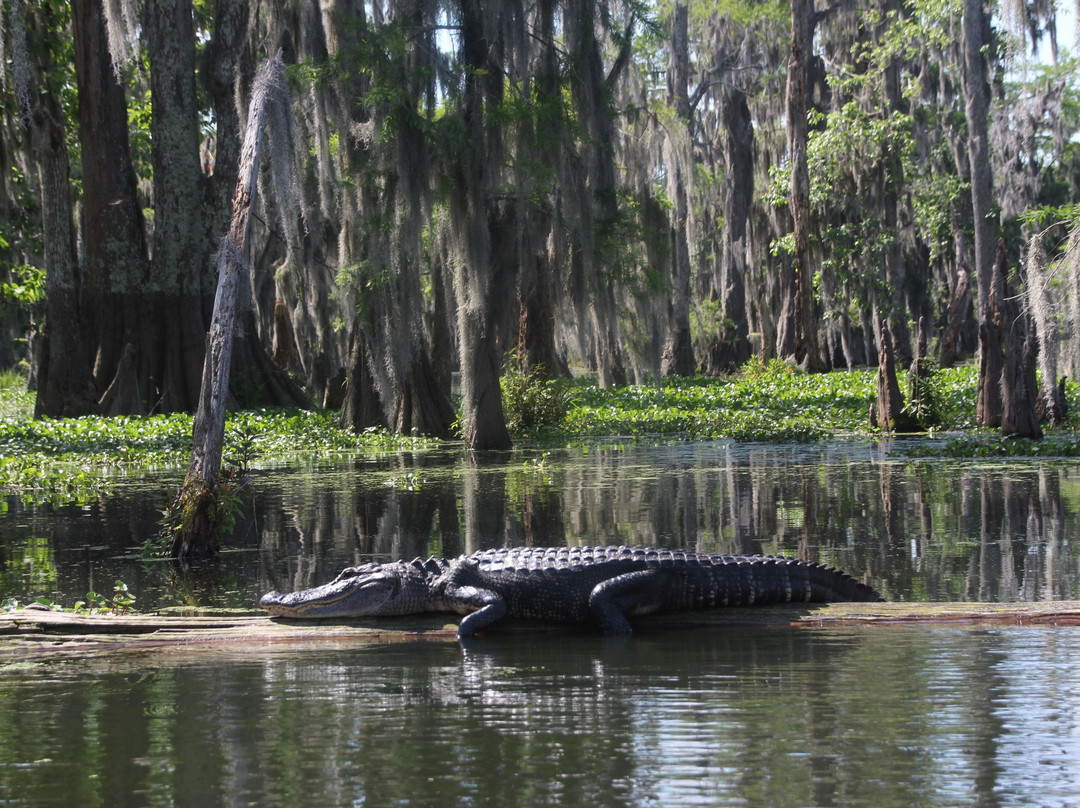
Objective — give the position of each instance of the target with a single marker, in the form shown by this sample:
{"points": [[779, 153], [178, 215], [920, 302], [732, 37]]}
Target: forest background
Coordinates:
{"points": [[636, 190]]}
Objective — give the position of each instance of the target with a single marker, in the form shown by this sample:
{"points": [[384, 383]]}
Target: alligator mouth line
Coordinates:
{"points": [[320, 602]]}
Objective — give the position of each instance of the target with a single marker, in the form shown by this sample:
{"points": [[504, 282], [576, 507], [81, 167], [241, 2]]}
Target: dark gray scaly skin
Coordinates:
{"points": [[603, 585]]}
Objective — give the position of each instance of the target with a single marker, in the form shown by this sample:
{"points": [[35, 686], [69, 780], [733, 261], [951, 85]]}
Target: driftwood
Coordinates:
{"points": [[32, 631]]}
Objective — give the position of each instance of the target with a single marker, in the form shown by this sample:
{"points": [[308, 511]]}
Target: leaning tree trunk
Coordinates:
{"points": [[806, 345], [198, 499]]}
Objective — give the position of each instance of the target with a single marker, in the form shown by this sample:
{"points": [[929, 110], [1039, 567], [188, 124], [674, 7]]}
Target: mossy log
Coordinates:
{"points": [[41, 631]]}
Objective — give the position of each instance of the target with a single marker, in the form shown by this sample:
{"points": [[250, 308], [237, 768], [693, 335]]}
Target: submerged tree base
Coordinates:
{"points": [[199, 515]]}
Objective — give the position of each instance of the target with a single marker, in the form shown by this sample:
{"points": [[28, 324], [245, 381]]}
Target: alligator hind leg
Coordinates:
{"points": [[489, 607], [635, 592]]}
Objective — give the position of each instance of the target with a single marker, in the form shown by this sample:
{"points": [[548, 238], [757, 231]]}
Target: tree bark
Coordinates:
{"points": [[114, 244], [678, 359], [198, 534], [483, 421], [988, 404], [1019, 390], [976, 38], [733, 347], [65, 384], [806, 342], [174, 340], [890, 404]]}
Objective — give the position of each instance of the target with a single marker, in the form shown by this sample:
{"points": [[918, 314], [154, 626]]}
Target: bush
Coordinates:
{"points": [[532, 401]]}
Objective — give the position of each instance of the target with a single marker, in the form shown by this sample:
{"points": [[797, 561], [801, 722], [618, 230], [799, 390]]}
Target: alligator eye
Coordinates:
{"points": [[353, 572]]}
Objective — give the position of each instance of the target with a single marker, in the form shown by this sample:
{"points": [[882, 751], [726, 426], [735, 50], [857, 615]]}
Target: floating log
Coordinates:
{"points": [[40, 631]]}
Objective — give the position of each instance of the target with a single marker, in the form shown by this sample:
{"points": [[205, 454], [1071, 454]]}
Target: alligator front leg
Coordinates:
{"points": [[632, 593], [485, 607]]}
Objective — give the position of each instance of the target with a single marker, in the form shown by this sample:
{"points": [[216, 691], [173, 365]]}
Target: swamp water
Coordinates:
{"points": [[875, 716]]}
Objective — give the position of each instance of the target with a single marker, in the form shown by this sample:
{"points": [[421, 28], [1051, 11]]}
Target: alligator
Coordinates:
{"points": [[603, 585]]}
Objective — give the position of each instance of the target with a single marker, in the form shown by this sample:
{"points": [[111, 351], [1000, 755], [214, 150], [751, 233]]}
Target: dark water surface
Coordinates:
{"points": [[991, 530], [881, 717], [884, 716]]}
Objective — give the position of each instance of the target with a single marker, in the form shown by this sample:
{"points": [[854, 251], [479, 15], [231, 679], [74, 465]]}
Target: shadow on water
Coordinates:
{"points": [[872, 717], [916, 530]]}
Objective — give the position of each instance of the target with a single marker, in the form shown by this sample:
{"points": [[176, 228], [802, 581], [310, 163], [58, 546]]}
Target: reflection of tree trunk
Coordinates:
{"points": [[1014, 537], [483, 493], [810, 536], [542, 517], [688, 508], [1053, 534], [991, 520], [746, 520], [449, 524]]}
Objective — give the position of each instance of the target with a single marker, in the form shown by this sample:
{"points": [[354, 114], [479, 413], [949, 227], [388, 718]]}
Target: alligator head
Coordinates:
{"points": [[371, 589]]}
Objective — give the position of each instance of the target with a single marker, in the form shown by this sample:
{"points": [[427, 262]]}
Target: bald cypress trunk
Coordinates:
{"points": [[65, 383], [806, 342], [733, 344], [678, 357], [484, 424], [976, 37], [114, 245]]}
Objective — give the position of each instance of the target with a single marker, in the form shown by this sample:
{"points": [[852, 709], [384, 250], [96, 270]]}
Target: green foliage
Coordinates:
{"points": [[25, 289], [532, 401], [218, 508], [766, 402], [15, 400], [120, 602], [73, 459]]}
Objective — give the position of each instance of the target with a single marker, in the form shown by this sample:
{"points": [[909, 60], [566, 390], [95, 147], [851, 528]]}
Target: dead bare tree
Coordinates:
{"points": [[198, 499]]}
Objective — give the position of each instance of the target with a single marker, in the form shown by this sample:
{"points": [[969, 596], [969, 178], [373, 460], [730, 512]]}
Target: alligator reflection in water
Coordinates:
{"points": [[712, 718], [914, 530]]}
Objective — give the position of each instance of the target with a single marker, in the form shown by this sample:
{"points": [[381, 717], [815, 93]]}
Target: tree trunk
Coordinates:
{"points": [[959, 301], [178, 271], [483, 421], [114, 246], [362, 408], [1018, 387], [65, 384], [890, 404], [977, 95], [733, 347], [535, 206], [198, 499], [988, 404], [678, 357], [806, 342]]}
